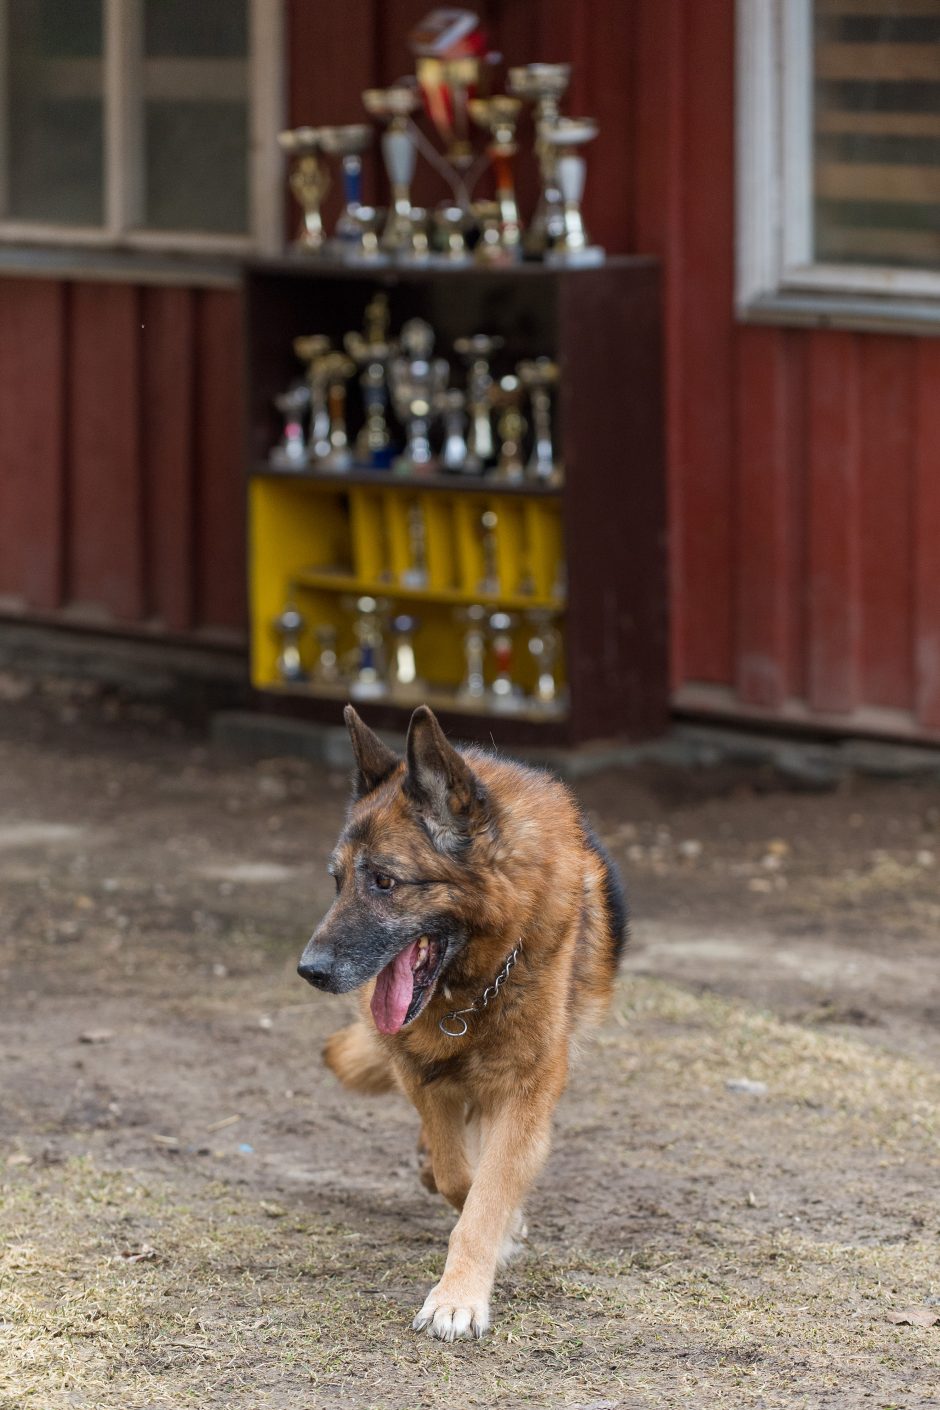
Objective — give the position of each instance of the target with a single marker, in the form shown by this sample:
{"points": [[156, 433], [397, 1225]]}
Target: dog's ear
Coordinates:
{"points": [[449, 796], [374, 760]]}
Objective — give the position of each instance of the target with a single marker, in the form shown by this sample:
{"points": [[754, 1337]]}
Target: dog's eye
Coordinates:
{"points": [[383, 882]]}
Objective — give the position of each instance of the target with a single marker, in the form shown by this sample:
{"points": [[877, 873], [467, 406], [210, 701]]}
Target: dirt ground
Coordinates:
{"points": [[193, 1214]]}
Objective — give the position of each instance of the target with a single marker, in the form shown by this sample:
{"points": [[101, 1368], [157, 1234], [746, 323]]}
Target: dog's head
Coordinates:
{"points": [[404, 870]]}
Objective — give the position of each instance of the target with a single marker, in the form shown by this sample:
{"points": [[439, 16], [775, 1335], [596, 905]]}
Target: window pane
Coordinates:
{"points": [[877, 132], [55, 118], [195, 128]]}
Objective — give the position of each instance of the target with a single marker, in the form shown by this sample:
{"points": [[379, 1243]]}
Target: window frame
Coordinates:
{"points": [[776, 276], [122, 23]]}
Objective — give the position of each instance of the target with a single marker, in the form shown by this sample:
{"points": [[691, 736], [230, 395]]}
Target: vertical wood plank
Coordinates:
{"points": [[168, 435], [833, 525], [106, 492], [926, 534], [762, 546], [32, 441], [885, 560], [220, 452]]}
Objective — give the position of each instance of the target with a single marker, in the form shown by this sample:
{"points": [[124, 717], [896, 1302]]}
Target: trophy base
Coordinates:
{"points": [[283, 460], [587, 258], [339, 462], [368, 690]]}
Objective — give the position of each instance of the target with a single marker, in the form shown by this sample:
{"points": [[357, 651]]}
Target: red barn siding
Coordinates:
{"points": [[804, 467]]}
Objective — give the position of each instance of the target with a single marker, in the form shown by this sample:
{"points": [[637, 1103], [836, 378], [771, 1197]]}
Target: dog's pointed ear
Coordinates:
{"points": [[374, 760], [451, 799]]}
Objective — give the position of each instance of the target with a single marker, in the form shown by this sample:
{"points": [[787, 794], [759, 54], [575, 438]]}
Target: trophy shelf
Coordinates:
{"points": [[590, 552]]}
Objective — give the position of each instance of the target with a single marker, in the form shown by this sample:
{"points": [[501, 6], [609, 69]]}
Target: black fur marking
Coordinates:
{"points": [[615, 899], [437, 1071]]}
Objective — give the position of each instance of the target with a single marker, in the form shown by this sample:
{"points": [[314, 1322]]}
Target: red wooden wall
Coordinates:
{"points": [[804, 467]]}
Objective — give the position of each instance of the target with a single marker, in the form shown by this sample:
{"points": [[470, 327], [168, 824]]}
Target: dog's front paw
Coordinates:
{"points": [[452, 1313]]}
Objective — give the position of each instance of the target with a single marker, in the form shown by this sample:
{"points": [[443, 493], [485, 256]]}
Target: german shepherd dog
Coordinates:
{"points": [[481, 920]]}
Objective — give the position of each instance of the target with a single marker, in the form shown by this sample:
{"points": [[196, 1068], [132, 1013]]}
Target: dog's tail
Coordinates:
{"points": [[355, 1056]]}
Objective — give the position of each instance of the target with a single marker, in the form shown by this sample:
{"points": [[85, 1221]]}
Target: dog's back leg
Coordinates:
{"points": [[355, 1056]]}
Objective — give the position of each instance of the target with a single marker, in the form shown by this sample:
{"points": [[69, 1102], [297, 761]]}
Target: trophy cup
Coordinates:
{"points": [[312, 350], [290, 453], [454, 454], [416, 574], [335, 370], [394, 107], [489, 248], [368, 680], [563, 136], [451, 224], [347, 142], [368, 222], [309, 182], [545, 648], [472, 689], [477, 352], [538, 376], [403, 675], [543, 85], [511, 425], [504, 693], [499, 117], [370, 351], [416, 382], [489, 583], [289, 626], [326, 670]]}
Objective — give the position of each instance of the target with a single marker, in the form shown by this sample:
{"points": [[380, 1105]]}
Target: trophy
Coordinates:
{"points": [[454, 453], [290, 453], [335, 370], [451, 224], [489, 583], [416, 574], [472, 688], [545, 648], [477, 352], [510, 427], [326, 670], [499, 116], [564, 135], [309, 182], [370, 351], [504, 692], [348, 142], [368, 222], [289, 626], [312, 350], [416, 382], [543, 85], [451, 60], [538, 376], [489, 247], [368, 679], [394, 106], [403, 675]]}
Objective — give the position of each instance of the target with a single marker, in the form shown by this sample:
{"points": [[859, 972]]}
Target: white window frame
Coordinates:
{"points": [[776, 274], [123, 167]]}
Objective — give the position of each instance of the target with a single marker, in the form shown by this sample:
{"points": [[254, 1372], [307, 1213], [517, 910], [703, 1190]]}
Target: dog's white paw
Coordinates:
{"points": [[514, 1240], [451, 1315]]}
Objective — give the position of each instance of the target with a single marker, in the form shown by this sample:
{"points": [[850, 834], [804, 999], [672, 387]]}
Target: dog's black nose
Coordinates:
{"points": [[316, 968]]}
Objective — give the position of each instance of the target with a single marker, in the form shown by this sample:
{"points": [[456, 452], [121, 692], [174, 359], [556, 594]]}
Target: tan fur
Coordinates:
{"points": [[533, 879]]}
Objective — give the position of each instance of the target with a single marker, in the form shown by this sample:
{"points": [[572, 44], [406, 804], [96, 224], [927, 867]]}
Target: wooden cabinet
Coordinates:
{"points": [[590, 552]]}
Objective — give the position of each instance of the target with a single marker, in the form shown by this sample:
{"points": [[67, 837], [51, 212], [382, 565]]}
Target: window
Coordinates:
{"points": [[141, 122], [838, 137]]}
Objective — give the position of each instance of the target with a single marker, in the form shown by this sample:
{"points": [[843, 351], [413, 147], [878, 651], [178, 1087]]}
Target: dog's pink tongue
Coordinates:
{"points": [[394, 989]]}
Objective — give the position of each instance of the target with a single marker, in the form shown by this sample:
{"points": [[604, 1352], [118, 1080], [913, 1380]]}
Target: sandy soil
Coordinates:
{"points": [[193, 1214]]}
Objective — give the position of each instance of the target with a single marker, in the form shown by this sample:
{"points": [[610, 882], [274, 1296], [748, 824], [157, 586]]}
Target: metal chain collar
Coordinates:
{"points": [[479, 1004]]}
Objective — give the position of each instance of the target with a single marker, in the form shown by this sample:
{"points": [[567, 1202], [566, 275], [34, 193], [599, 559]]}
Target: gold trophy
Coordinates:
{"points": [[371, 351], [564, 136], [499, 116], [511, 427], [394, 106], [543, 85], [336, 369], [312, 350], [309, 182]]}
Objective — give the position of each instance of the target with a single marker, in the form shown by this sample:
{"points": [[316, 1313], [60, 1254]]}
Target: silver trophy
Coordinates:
{"points": [[454, 453], [371, 350], [348, 142], [288, 627], [394, 106], [290, 453], [489, 583], [477, 352], [538, 376], [404, 680], [472, 689], [416, 574], [416, 382], [326, 668], [368, 677], [451, 224], [545, 649], [312, 350], [543, 85], [564, 136]]}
